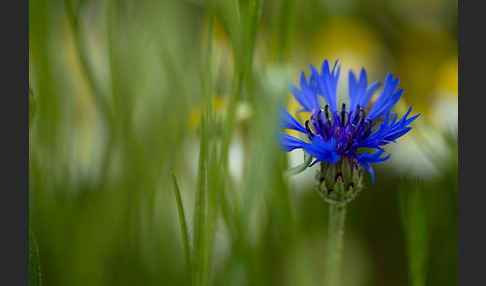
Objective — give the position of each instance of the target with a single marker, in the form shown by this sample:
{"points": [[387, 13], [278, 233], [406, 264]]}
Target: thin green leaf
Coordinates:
{"points": [[200, 205], [82, 54], [34, 261], [200, 213], [414, 221], [182, 221], [32, 106], [300, 168]]}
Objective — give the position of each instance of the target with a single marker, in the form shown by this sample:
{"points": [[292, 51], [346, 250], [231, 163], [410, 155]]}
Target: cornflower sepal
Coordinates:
{"points": [[340, 183]]}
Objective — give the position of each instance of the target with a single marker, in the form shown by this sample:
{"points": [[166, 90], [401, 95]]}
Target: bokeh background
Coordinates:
{"points": [[122, 93]]}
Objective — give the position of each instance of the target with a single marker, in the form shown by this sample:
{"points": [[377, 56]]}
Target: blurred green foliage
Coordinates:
{"points": [[34, 261], [415, 219], [123, 92]]}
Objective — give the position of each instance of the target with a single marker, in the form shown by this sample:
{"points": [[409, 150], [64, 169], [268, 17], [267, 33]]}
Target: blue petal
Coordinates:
{"points": [[366, 159], [372, 173], [289, 143], [307, 95], [389, 131], [322, 150], [359, 94], [354, 91], [369, 93], [388, 98], [328, 84], [287, 121]]}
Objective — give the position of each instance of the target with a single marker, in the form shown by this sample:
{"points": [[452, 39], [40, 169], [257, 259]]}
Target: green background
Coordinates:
{"points": [[125, 92]]}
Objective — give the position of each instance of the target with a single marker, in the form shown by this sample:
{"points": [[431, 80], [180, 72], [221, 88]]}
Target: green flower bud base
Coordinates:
{"points": [[338, 185]]}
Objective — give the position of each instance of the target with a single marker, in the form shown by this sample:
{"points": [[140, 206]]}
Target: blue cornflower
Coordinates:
{"points": [[340, 135]]}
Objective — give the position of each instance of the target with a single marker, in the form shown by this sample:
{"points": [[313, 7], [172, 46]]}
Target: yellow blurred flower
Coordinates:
{"points": [[423, 59], [448, 77], [351, 41]]}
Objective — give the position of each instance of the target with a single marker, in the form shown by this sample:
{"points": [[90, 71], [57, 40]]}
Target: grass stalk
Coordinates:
{"points": [[34, 261], [337, 216], [100, 99], [413, 216], [183, 224]]}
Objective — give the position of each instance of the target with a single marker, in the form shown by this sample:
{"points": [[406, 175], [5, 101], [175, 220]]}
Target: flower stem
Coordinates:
{"points": [[337, 215]]}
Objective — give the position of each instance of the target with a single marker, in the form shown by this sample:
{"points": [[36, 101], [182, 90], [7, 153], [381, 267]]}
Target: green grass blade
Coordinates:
{"points": [[83, 57], [183, 224], [243, 44], [300, 168], [200, 205], [203, 221], [255, 11], [414, 221], [34, 261], [32, 106]]}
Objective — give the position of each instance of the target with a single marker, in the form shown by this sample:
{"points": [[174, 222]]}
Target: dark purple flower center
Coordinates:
{"points": [[347, 128]]}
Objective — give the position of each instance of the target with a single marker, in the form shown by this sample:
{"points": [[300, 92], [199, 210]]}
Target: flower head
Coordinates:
{"points": [[337, 135]]}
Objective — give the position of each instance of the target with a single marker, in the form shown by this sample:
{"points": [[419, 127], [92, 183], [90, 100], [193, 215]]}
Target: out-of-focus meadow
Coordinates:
{"points": [[125, 92]]}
